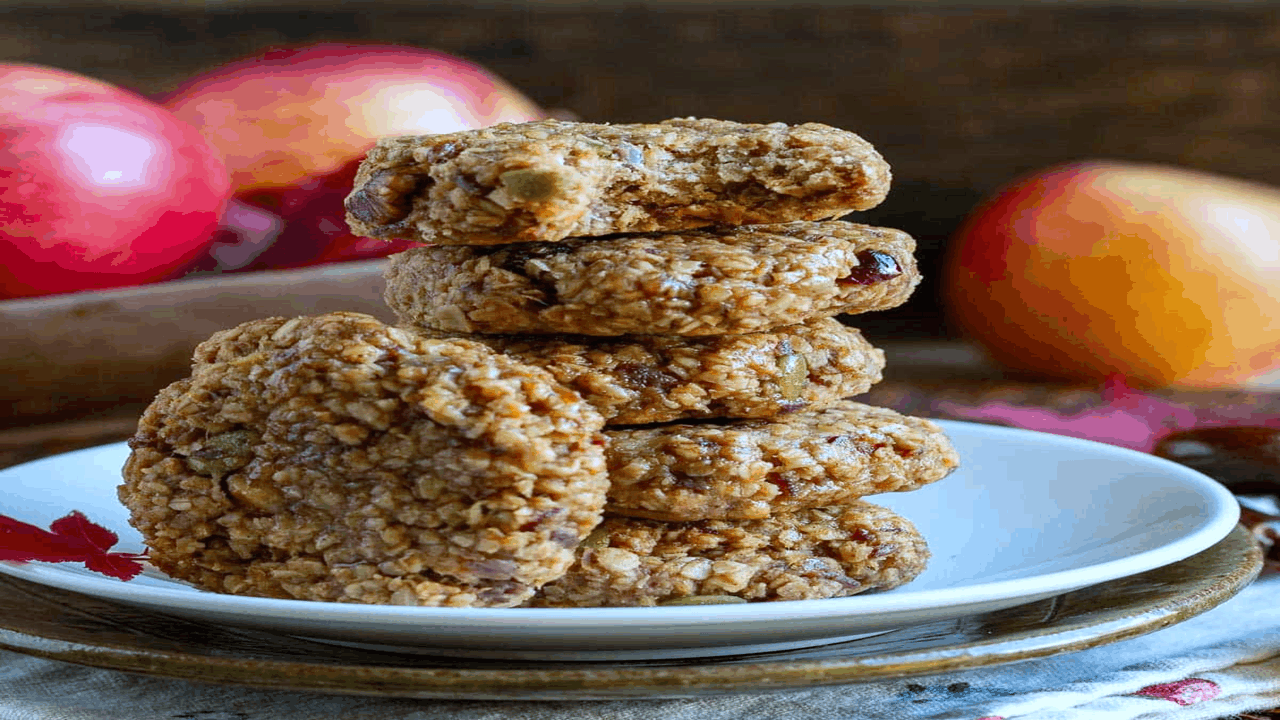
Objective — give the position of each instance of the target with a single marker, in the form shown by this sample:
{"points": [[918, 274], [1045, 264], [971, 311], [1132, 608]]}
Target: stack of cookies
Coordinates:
{"points": [[682, 278], [617, 380]]}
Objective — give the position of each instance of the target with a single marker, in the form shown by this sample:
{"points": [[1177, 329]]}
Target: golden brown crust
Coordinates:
{"points": [[641, 379], [748, 469], [812, 554], [552, 179], [724, 282], [336, 458]]}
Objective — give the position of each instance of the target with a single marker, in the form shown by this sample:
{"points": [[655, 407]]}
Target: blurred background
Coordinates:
{"points": [[960, 99]]}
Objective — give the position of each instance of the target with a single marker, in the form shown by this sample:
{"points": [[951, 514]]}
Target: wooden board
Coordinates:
{"points": [[108, 352]]}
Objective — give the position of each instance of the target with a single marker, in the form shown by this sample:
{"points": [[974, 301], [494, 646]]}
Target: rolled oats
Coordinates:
{"points": [[361, 463], [721, 282], [750, 469], [656, 378], [810, 554], [554, 179]]}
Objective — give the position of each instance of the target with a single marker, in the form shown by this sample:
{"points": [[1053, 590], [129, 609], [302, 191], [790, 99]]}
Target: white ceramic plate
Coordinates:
{"points": [[1027, 516]]}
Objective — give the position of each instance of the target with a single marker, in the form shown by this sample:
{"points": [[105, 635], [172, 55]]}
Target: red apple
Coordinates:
{"points": [[296, 226], [98, 187], [286, 115]]}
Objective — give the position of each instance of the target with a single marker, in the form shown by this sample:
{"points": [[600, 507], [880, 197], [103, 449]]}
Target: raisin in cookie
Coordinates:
{"points": [[723, 282], [812, 554], [658, 378], [747, 469], [552, 179], [336, 458]]}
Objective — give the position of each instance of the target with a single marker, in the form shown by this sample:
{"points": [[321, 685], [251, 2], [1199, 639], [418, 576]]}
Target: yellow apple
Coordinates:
{"points": [[1163, 276]]}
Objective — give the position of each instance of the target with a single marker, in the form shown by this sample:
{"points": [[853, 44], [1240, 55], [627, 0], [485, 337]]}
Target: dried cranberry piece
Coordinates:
{"points": [[861, 535], [785, 490], [873, 267]]}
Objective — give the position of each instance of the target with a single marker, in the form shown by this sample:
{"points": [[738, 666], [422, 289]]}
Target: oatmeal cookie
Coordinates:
{"points": [[550, 180], [336, 458], [657, 378], [812, 554], [722, 282], [749, 469]]}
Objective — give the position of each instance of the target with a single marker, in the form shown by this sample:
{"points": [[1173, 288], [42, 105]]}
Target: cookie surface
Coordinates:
{"points": [[724, 282], [552, 179], [658, 378], [812, 554], [336, 458], [748, 469]]}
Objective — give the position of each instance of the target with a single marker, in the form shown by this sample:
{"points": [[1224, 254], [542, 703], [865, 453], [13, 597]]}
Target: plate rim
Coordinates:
{"points": [[1224, 516], [672, 680]]}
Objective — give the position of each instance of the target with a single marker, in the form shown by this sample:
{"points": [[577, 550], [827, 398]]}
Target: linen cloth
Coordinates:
{"points": [[1222, 662]]}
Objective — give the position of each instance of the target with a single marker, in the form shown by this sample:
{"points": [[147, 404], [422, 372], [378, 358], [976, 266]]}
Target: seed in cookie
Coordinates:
{"points": [[552, 179], [336, 458], [811, 554], [748, 469], [726, 281], [658, 378]]}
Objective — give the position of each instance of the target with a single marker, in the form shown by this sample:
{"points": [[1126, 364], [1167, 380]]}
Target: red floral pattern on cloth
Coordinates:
{"points": [[1183, 692]]}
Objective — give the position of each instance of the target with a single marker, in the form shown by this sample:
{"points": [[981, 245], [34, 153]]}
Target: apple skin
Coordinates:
{"points": [[289, 227], [99, 187], [1160, 276], [284, 115]]}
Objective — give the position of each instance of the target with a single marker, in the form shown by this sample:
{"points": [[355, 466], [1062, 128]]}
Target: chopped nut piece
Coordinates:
{"points": [[224, 452], [794, 377], [597, 539], [530, 184]]}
